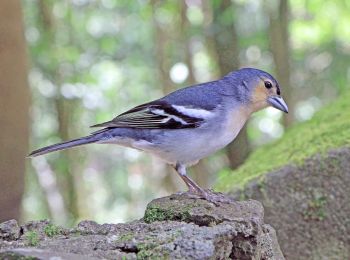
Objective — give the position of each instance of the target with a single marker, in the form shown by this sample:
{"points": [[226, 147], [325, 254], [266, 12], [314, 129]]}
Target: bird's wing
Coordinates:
{"points": [[159, 114]]}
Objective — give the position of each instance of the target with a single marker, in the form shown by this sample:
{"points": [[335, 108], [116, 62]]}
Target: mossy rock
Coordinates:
{"points": [[160, 211], [329, 128], [199, 211], [178, 227]]}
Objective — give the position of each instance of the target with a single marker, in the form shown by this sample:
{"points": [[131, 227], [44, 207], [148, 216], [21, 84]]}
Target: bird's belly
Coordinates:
{"points": [[187, 147], [199, 143]]}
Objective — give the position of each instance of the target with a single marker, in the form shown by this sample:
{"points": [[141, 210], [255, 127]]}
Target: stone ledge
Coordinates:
{"points": [[174, 227]]}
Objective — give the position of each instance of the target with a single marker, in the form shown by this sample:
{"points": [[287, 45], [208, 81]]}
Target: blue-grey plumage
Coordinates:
{"points": [[191, 123]]}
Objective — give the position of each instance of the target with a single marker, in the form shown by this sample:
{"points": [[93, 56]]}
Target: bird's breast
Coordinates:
{"points": [[233, 124]]}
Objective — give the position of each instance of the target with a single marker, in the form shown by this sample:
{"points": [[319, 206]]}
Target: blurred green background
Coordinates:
{"points": [[90, 60]]}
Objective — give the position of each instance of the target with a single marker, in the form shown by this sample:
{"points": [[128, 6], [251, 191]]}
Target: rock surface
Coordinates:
{"points": [[309, 205], [174, 227]]}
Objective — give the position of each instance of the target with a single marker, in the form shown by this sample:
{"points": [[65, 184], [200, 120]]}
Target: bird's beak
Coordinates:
{"points": [[278, 102]]}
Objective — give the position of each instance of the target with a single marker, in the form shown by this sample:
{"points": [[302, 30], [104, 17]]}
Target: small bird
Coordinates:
{"points": [[190, 123]]}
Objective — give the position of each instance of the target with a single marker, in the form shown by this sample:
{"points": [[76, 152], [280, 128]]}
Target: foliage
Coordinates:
{"points": [[32, 238], [52, 230]]}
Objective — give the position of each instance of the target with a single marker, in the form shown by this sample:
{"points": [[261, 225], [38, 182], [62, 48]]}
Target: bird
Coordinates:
{"points": [[190, 123]]}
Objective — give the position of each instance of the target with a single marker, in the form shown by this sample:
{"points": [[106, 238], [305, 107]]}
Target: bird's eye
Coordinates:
{"points": [[268, 84]]}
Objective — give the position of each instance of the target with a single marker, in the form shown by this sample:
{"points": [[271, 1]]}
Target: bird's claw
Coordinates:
{"points": [[210, 196]]}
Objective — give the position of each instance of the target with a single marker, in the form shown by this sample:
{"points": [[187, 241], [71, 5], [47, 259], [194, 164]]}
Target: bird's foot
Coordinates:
{"points": [[209, 195], [216, 197]]}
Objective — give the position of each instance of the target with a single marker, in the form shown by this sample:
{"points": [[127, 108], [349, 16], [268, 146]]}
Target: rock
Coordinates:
{"points": [[9, 230], [38, 254], [174, 227], [309, 205], [200, 212]]}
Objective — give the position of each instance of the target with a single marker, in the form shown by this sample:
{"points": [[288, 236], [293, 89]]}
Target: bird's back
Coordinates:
{"points": [[201, 95]]}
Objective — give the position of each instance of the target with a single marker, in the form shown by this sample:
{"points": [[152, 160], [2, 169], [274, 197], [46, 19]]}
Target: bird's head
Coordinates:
{"points": [[260, 89]]}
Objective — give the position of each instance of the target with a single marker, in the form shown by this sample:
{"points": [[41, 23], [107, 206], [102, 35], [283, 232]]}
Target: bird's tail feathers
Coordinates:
{"points": [[64, 145]]}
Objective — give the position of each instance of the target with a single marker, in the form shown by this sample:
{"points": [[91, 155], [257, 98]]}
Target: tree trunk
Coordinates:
{"points": [[226, 45], [14, 106], [279, 45]]}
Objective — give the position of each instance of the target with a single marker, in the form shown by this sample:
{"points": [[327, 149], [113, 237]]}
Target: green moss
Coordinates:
{"points": [[126, 237], [329, 128], [154, 213], [145, 250], [52, 230], [32, 238], [316, 209], [151, 251], [152, 247]]}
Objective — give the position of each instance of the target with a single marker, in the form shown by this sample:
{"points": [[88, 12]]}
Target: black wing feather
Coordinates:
{"points": [[145, 116]]}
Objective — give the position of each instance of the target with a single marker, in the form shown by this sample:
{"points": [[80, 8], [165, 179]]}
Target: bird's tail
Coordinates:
{"points": [[64, 145]]}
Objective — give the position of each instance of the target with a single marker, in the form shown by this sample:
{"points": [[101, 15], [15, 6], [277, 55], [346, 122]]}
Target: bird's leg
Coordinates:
{"points": [[192, 186], [198, 192]]}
